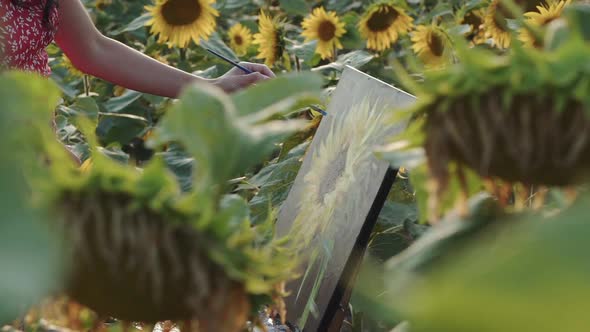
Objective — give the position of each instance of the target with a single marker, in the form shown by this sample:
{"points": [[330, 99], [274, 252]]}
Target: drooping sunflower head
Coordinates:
{"points": [[475, 19], [432, 45], [240, 39], [496, 24], [177, 22], [496, 115], [269, 39], [544, 15], [326, 28], [382, 24]]}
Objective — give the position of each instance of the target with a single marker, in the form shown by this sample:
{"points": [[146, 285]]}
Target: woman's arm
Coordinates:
{"points": [[97, 55]]}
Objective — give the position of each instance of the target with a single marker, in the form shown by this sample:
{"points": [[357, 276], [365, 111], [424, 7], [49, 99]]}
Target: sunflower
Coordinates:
{"points": [[326, 28], [382, 24], [495, 21], [475, 19], [268, 39], [102, 4], [339, 171], [240, 39], [431, 44], [545, 15], [178, 21]]}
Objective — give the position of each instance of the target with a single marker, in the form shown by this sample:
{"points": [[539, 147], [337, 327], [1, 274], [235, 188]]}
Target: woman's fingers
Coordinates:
{"points": [[260, 68]]}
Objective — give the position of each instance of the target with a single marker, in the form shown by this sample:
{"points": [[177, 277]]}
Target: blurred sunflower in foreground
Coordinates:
{"points": [[544, 15], [431, 44], [326, 28], [177, 22], [269, 39], [496, 24], [382, 24], [240, 39]]}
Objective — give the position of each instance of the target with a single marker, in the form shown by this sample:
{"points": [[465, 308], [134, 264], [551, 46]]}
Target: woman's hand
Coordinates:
{"points": [[236, 79]]}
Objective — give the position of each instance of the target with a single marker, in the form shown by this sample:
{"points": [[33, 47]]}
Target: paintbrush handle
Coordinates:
{"points": [[230, 61]]}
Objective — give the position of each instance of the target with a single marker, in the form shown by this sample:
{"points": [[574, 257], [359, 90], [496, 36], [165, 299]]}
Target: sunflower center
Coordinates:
{"points": [[435, 43], [238, 40], [382, 19], [181, 12], [326, 31], [329, 181]]}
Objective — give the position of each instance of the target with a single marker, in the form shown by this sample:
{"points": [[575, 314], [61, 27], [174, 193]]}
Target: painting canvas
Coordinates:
{"points": [[339, 191]]}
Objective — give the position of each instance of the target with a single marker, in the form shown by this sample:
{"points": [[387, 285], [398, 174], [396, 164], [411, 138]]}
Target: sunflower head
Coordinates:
{"points": [[240, 39], [496, 24], [269, 39], [514, 117], [544, 15], [475, 19], [382, 24], [431, 44], [177, 22], [102, 4], [326, 28]]}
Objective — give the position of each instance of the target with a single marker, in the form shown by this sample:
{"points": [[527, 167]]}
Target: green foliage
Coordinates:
{"points": [[28, 254], [528, 276]]}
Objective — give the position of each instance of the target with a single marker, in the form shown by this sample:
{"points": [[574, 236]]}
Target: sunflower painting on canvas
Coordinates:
{"points": [[340, 170]]}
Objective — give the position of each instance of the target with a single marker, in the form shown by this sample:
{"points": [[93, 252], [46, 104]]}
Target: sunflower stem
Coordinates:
{"points": [[86, 85], [182, 54]]}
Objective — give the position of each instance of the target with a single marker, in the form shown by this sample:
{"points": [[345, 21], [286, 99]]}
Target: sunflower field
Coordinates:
{"points": [[150, 213]]}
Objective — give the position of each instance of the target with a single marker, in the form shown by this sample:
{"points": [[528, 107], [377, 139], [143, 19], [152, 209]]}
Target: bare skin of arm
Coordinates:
{"points": [[103, 57]]}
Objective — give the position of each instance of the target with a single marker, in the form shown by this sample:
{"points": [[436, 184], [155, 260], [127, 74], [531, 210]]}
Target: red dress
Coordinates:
{"points": [[24, 36]]}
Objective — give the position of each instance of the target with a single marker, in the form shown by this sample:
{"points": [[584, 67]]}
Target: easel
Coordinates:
{"points": [[351, 242]]}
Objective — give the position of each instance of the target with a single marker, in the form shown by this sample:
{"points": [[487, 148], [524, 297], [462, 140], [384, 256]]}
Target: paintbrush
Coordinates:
{"points": [[248, 71], [230, 61]]}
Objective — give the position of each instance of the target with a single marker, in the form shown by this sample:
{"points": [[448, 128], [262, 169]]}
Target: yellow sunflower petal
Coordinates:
{"points": [[545, 15]]}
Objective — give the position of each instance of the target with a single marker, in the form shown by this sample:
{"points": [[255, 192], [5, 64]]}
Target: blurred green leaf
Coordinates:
{"points": [[281, 89], [28, 254], [531, 275], [205, 122]]}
